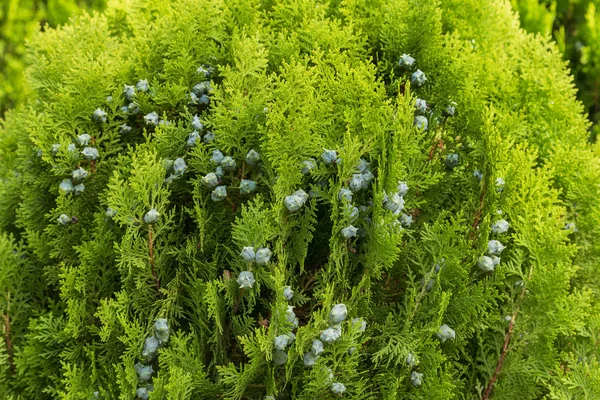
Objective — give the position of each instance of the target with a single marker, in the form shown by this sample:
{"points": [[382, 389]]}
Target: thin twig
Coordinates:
{"points": [[8, 340], [438, 145], [507, 337], [243, 171], [93, 162], [478, 213], [151, 247], [309, 282], [421, 294], [233, 206], [236, 305]]}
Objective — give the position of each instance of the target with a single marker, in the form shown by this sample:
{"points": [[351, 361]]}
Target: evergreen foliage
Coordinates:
{"points": [[19, 20], [360, 263], [574, 26]]}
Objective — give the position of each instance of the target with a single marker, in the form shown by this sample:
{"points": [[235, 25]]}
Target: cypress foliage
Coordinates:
{"points": [[574, 26], [250, 199], [19, 20]]}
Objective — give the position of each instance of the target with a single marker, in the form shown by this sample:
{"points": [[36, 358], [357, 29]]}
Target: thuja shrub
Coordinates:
{"points": [[574, 26], [295, 199], [19, 19]]}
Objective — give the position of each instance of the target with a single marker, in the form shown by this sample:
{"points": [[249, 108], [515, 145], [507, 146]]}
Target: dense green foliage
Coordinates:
{"points": [[19, 20], [86, 271], [575, 25]]}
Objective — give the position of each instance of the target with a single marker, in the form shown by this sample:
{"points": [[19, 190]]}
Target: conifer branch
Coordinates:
{"points": [[422, 293], [243, 171], [236, 305], [233, 206], [93, 162], [7, 337], [438, 145], [507, 337], [151, 250], [478, 213]]}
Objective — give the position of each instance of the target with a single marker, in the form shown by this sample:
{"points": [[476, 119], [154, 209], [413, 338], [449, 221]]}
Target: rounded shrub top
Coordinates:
{"points": [[183, 165]]}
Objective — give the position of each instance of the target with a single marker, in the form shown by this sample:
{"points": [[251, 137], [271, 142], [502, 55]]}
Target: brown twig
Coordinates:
{"points": [[236, 305], [242, 173], [478, 213], [309, 282], [151, 248], [93, 162], [233, 206], [438, 145], [507, 337], [264, 322], [7, 339]]}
